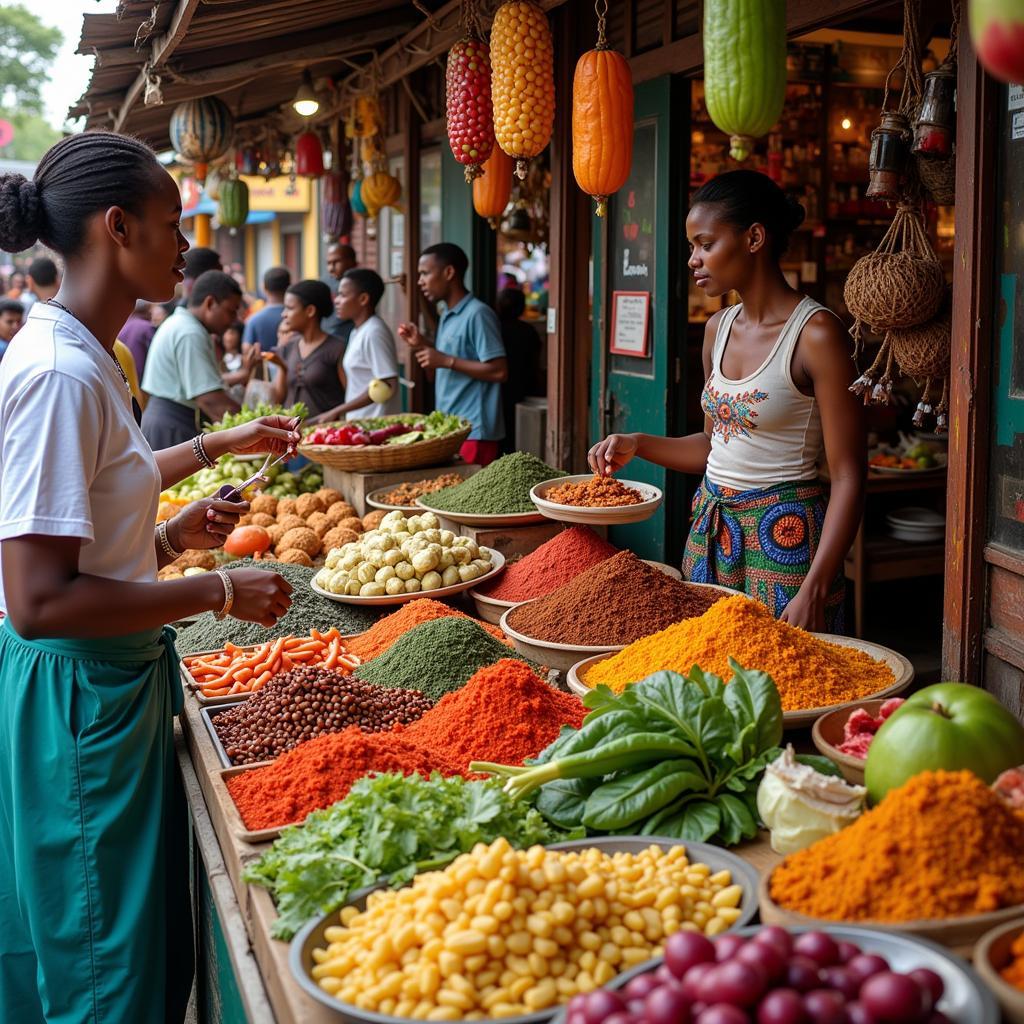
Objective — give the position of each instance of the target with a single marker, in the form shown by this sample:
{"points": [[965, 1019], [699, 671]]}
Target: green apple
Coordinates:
{"points": [[949, 726], [380, 391]]}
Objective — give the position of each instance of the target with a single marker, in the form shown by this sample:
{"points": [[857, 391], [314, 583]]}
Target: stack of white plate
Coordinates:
{"points": [[917, 525]]}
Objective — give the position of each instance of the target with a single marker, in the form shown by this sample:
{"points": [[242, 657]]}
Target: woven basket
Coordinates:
{"points": [[938, 175], [383, 458]]}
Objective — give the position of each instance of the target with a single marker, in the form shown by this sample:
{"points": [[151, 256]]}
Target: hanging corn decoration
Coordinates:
{"points": [[522, 80], [468, 102], [602, 119]]}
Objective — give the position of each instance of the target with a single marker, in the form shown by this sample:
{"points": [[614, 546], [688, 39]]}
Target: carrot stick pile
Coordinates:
{"points": [[241, 670]]}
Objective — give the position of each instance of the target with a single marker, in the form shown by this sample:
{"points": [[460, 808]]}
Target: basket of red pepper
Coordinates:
{"points": [[385, 443]]}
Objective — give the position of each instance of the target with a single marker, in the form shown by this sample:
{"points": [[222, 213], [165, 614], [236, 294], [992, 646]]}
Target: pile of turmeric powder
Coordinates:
{"points": [[1013, 972], [808, 672], [942, 845]]}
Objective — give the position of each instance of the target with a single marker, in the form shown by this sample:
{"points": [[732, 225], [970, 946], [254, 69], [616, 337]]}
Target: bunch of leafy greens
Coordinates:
{"points": [[673, 755], [257, 412], [388, 828], [434, 424]]}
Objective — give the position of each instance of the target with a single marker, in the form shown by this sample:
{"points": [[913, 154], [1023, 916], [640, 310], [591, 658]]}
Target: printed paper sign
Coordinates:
{"points": [[630, 315]]}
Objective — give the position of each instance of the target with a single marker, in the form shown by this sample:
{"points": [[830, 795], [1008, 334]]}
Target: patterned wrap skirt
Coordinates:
{"points": [[760, 542]]}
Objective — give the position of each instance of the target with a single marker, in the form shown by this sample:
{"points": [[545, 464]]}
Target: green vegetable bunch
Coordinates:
{"points": [[388, 827], [673, 755], [236, 419]]}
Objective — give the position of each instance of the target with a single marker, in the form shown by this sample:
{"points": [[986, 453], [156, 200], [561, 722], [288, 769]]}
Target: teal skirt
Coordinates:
{"points": [[94, 891]]}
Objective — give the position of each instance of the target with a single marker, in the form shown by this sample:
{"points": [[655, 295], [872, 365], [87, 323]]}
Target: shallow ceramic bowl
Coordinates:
{"points": [[609, 516], [827, 733], [990, 957]]}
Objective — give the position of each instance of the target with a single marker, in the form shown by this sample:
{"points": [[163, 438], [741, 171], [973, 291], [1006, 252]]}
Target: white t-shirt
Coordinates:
{"points": [[73, 461], [370, 355]]}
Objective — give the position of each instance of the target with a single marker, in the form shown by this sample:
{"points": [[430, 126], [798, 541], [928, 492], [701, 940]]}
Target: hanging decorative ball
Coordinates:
{"points": [[335, 208], [233, 208], [379, 190], [355, 197], [309, 155], [492, 189], [200, 131]]}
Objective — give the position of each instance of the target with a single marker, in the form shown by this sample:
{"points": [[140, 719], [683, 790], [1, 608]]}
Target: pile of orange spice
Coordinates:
{"points": [[809, 673], [384, 632], [599, 492], [1013, 972], [942, 845]]}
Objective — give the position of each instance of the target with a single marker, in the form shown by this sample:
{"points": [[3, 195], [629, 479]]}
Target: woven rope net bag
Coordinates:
{"points": [[901, 283]]}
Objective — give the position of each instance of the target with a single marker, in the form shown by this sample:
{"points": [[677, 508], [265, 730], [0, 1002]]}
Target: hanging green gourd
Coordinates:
{"points": [[233, 208], [744, 68]]}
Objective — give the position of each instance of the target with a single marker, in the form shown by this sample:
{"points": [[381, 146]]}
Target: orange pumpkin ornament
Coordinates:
{"points": [[602, 121], [491, 190]]}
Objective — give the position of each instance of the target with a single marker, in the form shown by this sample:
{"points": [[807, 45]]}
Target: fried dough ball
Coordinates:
{"points": [[275, 533], [372, 519], [290, 522], [338, 511], [266, 503], [329, 496], [263, 519], [319, 523], [307, 504], [293, 556], [338, 537], [196, 558], [285, 507], [301, 537], [351, 523]]}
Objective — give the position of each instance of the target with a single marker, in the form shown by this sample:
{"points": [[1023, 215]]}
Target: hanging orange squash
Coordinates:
{"points": [[491, 191], [379, 190], [602, 121], [522, 80]]}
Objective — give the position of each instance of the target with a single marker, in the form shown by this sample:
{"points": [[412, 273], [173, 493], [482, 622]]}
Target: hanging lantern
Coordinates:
{"points": [[247, 160], [492, 189], [233, 208], [200, 131], [935, 127], [470, 115], [602, 121], [335, 209], [309, 155], [355, 197], [379, 190], [887, 162]]}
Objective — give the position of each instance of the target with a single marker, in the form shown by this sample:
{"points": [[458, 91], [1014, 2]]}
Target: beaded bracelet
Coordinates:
{"points": [[199, 450], [229, 594], [161, 533]]}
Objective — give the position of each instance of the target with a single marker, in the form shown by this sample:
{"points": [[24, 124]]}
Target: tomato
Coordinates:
{"points": [[949, 726]]}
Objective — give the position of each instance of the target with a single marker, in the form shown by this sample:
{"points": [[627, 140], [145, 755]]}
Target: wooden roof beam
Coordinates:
{"points": [[160, 50]]}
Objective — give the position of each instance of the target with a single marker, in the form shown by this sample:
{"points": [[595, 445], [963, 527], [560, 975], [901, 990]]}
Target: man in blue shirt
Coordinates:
{"points": [[261, 327], [467, 358], [12, 315]]}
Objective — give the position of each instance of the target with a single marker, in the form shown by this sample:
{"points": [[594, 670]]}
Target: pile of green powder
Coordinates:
{"points": [[437, 658], [308, 611], [502, 488]]}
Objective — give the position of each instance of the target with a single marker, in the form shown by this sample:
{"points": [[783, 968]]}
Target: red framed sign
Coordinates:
{"points": [[631, 314]]}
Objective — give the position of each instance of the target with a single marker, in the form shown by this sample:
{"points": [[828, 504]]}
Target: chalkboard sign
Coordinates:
{"points": [[632, 220]]}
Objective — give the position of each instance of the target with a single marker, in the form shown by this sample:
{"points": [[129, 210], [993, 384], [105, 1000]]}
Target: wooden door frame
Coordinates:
{"points": [[970, 380]]}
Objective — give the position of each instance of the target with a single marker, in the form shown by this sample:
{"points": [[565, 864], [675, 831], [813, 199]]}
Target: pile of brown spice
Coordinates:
{"points": [[614, 602], [599, 492], [405, 494]]}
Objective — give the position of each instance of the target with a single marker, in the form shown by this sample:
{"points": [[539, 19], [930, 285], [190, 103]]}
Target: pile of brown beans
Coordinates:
{"points": [[306, 702]]}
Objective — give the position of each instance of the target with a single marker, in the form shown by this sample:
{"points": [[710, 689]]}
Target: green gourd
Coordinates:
{"points": [[233, 208], [744, 68]]}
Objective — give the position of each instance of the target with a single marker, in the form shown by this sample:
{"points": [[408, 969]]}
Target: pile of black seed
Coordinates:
{"points": [[306, 702]]}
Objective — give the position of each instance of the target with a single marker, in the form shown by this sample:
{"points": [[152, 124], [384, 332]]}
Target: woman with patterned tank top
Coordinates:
{"points": [[776, 398]]}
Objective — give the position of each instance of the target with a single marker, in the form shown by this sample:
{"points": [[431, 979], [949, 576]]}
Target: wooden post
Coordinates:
{"points": [[411, 128], [970, 377], [569, 244]]}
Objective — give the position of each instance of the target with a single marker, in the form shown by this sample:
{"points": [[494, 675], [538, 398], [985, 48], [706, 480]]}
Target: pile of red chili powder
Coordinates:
{"points": [[561, 559], [504, 713], [614, 602]]}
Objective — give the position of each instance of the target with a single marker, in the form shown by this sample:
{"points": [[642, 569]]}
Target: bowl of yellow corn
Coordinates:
{"points": [[514, 934]]}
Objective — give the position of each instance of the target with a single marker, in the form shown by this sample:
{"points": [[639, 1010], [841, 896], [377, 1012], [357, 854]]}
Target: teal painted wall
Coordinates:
{"points": [[459, 224]]}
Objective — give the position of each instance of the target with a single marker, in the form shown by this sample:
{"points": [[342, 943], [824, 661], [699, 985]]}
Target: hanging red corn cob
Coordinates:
{"points": [[468, 94]]}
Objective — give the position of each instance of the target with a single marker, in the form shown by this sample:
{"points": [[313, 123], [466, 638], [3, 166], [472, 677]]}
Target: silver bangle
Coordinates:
{"points": [[161, 532], [199, 451], [229, 594]]}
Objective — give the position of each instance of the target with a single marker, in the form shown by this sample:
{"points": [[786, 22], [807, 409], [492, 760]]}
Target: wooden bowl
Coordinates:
{"points": [[990, 957], [827, 733], [958, 933]]}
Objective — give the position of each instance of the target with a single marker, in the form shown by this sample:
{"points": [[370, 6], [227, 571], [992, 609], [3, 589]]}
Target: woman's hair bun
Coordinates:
{"points": [[795, 211], [19, 213]]}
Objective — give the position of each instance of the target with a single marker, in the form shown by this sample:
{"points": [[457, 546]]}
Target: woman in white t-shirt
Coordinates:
{"points": [[94, 900], [370, 353]]}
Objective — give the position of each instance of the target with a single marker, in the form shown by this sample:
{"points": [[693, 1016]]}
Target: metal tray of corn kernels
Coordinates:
{"points": [[300, 955]]}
